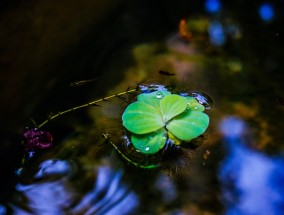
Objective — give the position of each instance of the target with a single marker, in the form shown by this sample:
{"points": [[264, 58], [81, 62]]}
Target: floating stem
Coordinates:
{"points": [[52, 117]]}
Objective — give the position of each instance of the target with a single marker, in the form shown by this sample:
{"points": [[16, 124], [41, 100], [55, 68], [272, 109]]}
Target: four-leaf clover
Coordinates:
{"points": [[159, 116]]}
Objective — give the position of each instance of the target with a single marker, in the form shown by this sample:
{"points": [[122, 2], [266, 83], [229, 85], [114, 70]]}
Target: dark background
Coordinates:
{"points": [[45, 45]]}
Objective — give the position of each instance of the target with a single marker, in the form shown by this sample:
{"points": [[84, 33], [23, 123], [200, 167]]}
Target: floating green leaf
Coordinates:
{"points": [[172, 106], [150, 143], [147, 118], [193, 104], [188, 125], [141, 118], [153, 98]]}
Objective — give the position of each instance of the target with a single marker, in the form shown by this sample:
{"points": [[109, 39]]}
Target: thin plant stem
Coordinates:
{"points": [[52, 117]]}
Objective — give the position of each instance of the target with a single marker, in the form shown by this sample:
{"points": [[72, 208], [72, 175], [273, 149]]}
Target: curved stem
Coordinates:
{"points": [[150, 166], [85, 105]]}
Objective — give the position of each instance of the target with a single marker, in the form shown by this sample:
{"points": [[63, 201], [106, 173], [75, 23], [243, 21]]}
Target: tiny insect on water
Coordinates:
{"points": [[81, 83], [162, 72], [157, 122]]}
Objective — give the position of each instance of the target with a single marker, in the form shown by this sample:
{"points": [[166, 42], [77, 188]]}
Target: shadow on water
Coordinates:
{"points": [[231, 51]]}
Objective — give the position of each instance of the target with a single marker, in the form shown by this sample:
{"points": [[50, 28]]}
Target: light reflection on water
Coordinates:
{"points": [[252, 181], [109, 195], [266, 12], [53, 193], [2, 209], [212, 6]]}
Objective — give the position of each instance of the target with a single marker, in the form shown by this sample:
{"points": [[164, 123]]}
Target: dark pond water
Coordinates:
{"points": [[229, 50]]}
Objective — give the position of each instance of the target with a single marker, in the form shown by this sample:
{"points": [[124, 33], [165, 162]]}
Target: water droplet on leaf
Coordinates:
{"points": [[159, 95], [147, 148]]}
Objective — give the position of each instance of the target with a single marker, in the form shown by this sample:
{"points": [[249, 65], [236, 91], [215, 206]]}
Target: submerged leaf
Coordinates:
{"points": [[188, 125], [150, 143], [141, 118], [172, 106]]}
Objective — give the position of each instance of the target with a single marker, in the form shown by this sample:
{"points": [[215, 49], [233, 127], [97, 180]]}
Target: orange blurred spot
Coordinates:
{"points": [[183, 31]]}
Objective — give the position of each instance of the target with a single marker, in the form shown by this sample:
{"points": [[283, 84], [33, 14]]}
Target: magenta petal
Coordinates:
{"points": [[37, 139]]}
